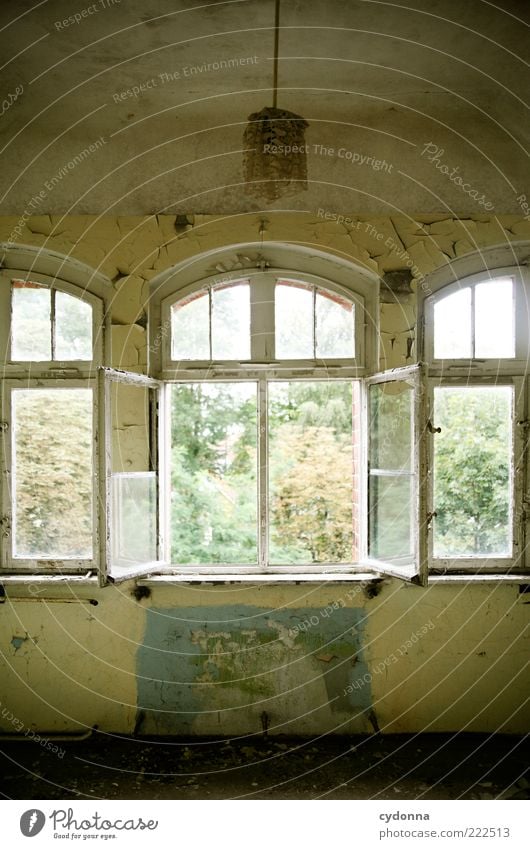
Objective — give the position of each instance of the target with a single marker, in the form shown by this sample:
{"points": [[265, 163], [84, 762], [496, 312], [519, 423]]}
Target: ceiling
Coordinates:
{"points": [[379, 81]]}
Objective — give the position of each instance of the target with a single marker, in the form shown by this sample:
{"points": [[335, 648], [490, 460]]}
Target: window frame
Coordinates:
{"points": [[475, 269], [262, 328], [417, 571], [44, 566], [483, 564], [156, 435], [516, 365], [44, 367], [63, 274], [262, 368]]}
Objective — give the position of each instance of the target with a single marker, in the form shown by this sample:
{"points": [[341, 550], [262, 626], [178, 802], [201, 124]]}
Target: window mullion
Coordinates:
{"points": [[52, 324], [210, 310], [263, 475], [473, 323]]}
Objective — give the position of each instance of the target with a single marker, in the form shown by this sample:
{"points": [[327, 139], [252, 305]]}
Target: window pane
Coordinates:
{"points": [[31, 335], [134, 520], [390, 425], [73, 328], [334, 326], [494, 319], [190, 328], [294, 322], [131, 428], [389, 519], [231, 322], [472, 471], [311, 495], [134, 487], [52, 473], [214, 473], [452, 326]]}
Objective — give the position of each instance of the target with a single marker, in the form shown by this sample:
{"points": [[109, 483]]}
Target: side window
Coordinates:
{"points": [[476, 344], [52, 334]]}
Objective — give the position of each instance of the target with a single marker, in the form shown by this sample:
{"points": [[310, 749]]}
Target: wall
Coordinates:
{"points": [[304, 658]]}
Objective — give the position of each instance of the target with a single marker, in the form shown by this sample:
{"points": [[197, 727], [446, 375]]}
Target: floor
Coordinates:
{"points": [[397, 767]]}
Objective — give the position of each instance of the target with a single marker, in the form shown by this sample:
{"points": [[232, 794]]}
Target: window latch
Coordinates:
{"points": [[432, 429], [430, 517], [4, 426], [5, 525]]}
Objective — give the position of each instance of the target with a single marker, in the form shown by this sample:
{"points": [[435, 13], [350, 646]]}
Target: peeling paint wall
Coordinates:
{"points": [[211, 660]]}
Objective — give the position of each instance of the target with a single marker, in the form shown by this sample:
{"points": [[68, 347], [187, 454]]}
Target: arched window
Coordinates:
{"points": [[476, 342], [267, 434], [53, 337]]}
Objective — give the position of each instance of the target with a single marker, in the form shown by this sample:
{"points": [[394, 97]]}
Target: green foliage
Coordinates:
{"points": [[213, 473], [472, 471], [53, 473], [311, 500]]}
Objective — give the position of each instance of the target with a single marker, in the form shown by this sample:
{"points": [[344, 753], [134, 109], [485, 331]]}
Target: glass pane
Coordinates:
{"points": [[214, 473], [452, 326], [190, 328], [472, 471], [131, 428], [231, 322], [494, 319], [52, 473], [390, 426], [311, 491], [31, 334], [334, 326], [134, 519], [294, 321], [73, 328], [390, 506], [134, 502]]}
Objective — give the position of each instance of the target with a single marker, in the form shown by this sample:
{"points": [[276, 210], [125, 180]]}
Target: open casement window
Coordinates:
{"points": [[49, 493], [479, 442], [396, 521], [129, 464]]}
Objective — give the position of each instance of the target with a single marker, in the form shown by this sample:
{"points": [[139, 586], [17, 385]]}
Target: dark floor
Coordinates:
{"points": [[398, 767]]}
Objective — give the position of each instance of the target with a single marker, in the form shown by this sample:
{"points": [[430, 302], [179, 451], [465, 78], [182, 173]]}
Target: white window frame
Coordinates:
{"points": [[106, 377], [63, 274], [264, 368], [415, 571], [485, 564], [262, 318], [44, 565], [516, 365], [48, 367], [469, 271]]}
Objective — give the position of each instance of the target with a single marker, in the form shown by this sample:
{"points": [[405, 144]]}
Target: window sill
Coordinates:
{"points": [[258, 578], [485, 578]]}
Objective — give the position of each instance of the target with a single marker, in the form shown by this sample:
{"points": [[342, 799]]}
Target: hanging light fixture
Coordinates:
{"points": [[275, 159]]}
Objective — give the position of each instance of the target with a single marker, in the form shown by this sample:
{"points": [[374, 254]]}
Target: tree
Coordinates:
{"points": [[472, 470]]}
